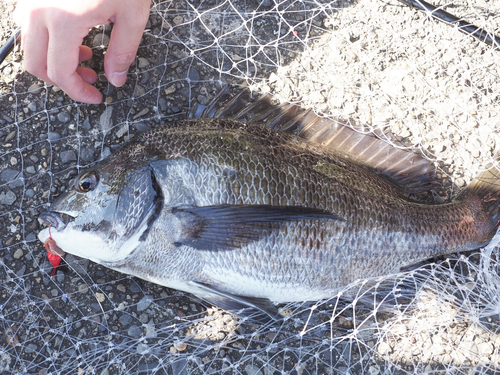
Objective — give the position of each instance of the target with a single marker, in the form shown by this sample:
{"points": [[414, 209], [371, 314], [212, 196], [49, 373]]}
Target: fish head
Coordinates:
{"points": [[106, 213]]}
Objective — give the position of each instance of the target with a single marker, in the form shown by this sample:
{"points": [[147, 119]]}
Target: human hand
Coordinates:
{"points": [[52, 36]]}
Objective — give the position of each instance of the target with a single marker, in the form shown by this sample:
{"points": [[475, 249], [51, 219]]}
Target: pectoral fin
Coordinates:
{"points": [[229, 227], [237, 304]]}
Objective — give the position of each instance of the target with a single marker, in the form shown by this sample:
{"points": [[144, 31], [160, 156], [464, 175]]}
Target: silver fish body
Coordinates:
{"points": [[239, 215]]}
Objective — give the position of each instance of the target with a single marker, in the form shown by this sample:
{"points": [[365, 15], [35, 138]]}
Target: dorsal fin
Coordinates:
{"points": [[409, 169]]}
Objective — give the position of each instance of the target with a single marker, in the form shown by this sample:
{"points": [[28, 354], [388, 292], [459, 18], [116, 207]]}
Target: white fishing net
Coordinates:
{"points": [[374, 63]]}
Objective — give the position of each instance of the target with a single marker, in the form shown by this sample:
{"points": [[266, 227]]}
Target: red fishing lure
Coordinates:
{"points": [[53, 252]]}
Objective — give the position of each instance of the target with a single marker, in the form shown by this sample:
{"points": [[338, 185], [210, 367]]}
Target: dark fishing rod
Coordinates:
{"points": [[464, 26], [9, 45]]}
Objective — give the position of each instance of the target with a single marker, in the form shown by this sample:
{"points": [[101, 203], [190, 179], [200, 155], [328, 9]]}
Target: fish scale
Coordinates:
{"points": [[240, 214]]}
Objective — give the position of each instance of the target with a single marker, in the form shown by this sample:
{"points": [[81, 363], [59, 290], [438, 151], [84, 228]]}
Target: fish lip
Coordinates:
{"points": [[57, 220]]}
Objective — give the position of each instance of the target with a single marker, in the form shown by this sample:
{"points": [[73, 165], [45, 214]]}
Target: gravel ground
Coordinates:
{"points": [[372, 63]]}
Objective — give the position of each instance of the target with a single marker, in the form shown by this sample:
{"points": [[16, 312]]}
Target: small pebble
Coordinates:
{"points": [[384, 348], [143, 62], [18, 254], [86, 154], [31, 348], [21, 271], [163, 104], [135, 287], [177, 20], [121, 288], [139, 91], [122, 131], [144, 318], [252, 370], [140, 126], [144, 78], [54, 137], [34, 88], [170, 90], [105, 153], [100, 40], [31, 169], [144, 303], [105, 119], [180, 347], [64, 117], [193, 74], [86, 124], [68, 156], [32, 106], [134, 331], [142, 349], [7, 198], [150, 330], [125, 319], [141, 113], [8, 175], [10, 136], [60, 276], [83, 288]]}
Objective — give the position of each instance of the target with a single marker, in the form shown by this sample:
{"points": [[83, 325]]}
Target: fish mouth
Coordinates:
{"points": [[57, 220]]}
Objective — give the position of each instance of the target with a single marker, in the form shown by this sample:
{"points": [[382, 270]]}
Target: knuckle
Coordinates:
{"points": [[34, 67], [125, 58], [77, 92], [54, 75]]}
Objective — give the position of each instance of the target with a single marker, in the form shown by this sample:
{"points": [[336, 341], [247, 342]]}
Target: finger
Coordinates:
{"points": [[124, 42], [35, 39], [65, 73], [88, 75], [85, 54], [63, 55], [79, 90]]}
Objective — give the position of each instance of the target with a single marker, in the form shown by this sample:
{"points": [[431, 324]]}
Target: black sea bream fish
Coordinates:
{"points": [[243, 215]]}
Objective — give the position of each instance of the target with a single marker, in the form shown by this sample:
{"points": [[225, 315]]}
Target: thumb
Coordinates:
{"points": [[124, 42]]}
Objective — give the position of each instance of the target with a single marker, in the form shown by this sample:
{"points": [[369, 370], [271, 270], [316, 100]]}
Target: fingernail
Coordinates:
{"points": [[118, 78]]}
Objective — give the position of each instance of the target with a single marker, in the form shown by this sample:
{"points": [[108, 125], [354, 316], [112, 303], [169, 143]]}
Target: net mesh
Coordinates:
{"points": [[373, 63]]}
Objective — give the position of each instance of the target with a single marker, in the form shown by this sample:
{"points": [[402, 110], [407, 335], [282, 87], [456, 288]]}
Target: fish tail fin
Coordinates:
{"points": [[486, 188], [487, 182]]}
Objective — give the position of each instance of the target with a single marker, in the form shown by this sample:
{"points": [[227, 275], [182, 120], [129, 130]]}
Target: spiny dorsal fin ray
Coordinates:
{"points": [[409, 169]]}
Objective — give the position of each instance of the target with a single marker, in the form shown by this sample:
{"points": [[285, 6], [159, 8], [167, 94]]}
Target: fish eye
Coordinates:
{"points": [[87, 182]]}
